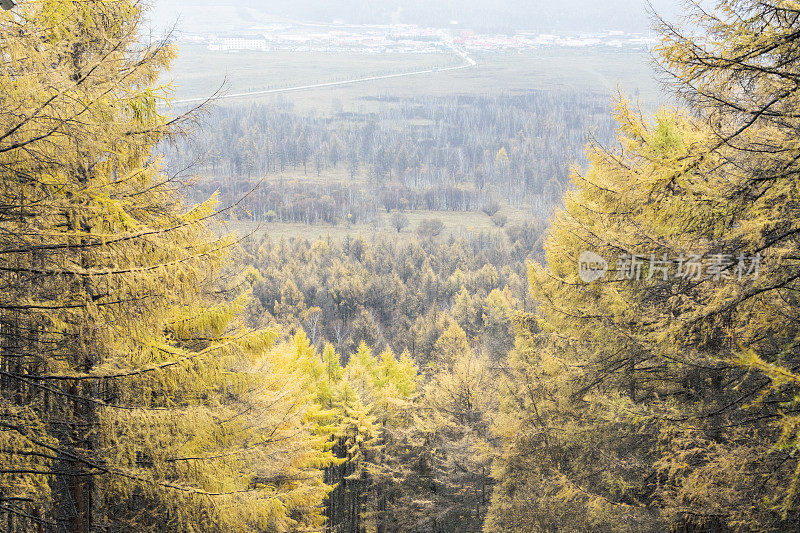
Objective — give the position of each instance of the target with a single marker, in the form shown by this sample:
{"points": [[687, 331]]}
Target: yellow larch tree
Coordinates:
{"points": [[132, 397]]}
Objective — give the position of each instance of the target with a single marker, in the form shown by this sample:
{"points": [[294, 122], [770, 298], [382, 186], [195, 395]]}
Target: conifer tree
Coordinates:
{"points": [[454, 419], [132, 396], [664, 395]]}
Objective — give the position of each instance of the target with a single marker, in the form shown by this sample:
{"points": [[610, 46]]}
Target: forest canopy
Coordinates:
{"points": [[158, 373]]}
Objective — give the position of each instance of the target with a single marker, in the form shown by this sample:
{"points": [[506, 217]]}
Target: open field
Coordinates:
{"points": [[199, 72], [294, 175], [456, 223]]}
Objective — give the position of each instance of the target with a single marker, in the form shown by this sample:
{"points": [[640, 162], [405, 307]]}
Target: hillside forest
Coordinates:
{"points": [[535, 312]]}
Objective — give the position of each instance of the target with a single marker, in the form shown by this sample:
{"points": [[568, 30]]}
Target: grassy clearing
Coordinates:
{"points": [[198, 72], [456, 223], [328, 176]]}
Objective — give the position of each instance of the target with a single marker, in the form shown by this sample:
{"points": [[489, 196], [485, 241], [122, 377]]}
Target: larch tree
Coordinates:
{"points": [[453, 422], [132, 397], [664, 394]]}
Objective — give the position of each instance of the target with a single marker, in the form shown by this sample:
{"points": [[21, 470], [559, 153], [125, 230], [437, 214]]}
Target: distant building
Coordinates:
{"points": [[239, 44]]}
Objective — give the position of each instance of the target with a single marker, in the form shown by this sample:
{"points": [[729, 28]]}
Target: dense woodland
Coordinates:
{"points": [[389, 293], [157, 375], [456, 153]]}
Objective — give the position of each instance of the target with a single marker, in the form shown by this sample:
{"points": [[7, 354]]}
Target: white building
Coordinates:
{"points": [[240, 44]]}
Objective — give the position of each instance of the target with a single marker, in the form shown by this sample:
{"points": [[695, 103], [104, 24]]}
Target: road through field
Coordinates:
{"points": [[468, 63]]}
